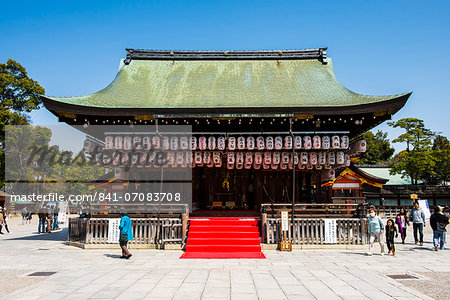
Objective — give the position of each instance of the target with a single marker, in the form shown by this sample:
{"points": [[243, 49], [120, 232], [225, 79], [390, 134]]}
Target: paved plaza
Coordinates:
{"points": [[156, 274]]}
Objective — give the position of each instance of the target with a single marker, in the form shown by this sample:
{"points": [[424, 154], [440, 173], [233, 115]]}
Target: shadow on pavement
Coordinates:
{"points": [[54, 236], [112, 255]]}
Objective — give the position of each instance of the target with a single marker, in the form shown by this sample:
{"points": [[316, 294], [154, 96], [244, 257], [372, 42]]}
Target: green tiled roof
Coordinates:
{"points": [[384, 173], [223, 84]]}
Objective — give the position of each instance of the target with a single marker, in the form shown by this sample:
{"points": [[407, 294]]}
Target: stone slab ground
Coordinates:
{"points": [[156, 274]]}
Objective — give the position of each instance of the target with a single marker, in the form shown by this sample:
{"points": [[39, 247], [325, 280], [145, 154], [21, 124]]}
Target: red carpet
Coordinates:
{"points": [[221, 237]]}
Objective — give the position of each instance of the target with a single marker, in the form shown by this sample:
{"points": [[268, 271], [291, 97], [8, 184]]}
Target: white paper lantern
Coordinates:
{"points": [[283, 166], [211, 143], [109, 142], [345, 142], [151, 159], [313, 158], [317, 142], [125, 159], [137, 143], [288, 142], [206, 157], [256, 166], [221, 143], [260, 143], [326, 142], [239, 158], [304, 158], [174, 143], [134, 159], [267, 158], [180, 159], [184, 143], [142, 159], [189, 159], [127, 143], [361, 146], [117, 157], [276, 158], [202, 143], [118, 142], [278, 143], [231, 143], [147, 143], [230, 166], [296, 159], [250, 143], [165, 143], [198, 159], [307, 143], [331, 158], [258, 158], [230, 157], [217, 159], [248, 158], [241, 143], [335, 142], [193, 143], [285, 157], [297, 142], [269, 142], [156, 142], [322, 158], [340, 158], [347, 160]]}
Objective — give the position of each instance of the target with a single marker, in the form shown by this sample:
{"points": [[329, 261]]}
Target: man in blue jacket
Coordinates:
{"points": [[417, 216], [126, 234]]}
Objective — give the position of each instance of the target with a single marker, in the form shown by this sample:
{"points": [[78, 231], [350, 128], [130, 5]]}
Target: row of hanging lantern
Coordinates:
{"points": [[233, 159], [174, 143]]}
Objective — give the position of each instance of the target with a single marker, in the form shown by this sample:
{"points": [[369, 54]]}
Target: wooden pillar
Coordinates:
{"points": [[263, 227], [184, 220]]}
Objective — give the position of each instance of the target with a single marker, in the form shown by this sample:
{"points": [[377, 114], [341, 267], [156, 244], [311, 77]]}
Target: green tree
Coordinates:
{"points": [[379, 148], [19, 95], [441, 155], [416, 160]]}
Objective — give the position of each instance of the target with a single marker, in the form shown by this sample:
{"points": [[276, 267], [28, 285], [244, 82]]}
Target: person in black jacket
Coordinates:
{"points": [[438, 222], [391, 232]]}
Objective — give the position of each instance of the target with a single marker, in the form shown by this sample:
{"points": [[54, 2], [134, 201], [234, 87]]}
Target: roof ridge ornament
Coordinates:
{"points": [[296, 54]]}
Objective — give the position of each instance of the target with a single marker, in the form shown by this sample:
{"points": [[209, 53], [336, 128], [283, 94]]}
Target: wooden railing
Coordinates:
{"points": [[312, 210], [312, 231], [145, 230]]}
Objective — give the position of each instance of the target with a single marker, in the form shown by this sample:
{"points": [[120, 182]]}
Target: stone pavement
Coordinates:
{"points": [[156, 274]]}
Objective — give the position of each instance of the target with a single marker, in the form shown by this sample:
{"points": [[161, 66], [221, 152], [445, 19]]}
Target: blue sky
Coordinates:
{"points": [[378, 47]]}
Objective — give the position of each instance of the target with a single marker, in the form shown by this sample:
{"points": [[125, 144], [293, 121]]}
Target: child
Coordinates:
{"points": [[402, 223], [376, 228], [391, 230]]}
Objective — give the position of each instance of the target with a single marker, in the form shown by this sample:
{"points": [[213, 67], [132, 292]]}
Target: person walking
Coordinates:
{"points": [[42, 222], [438, 222], [126, 234], [3, 220], [376, 228], [402, 222], [24, 215], [417, 216], [55, 218], [391, 233]]}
